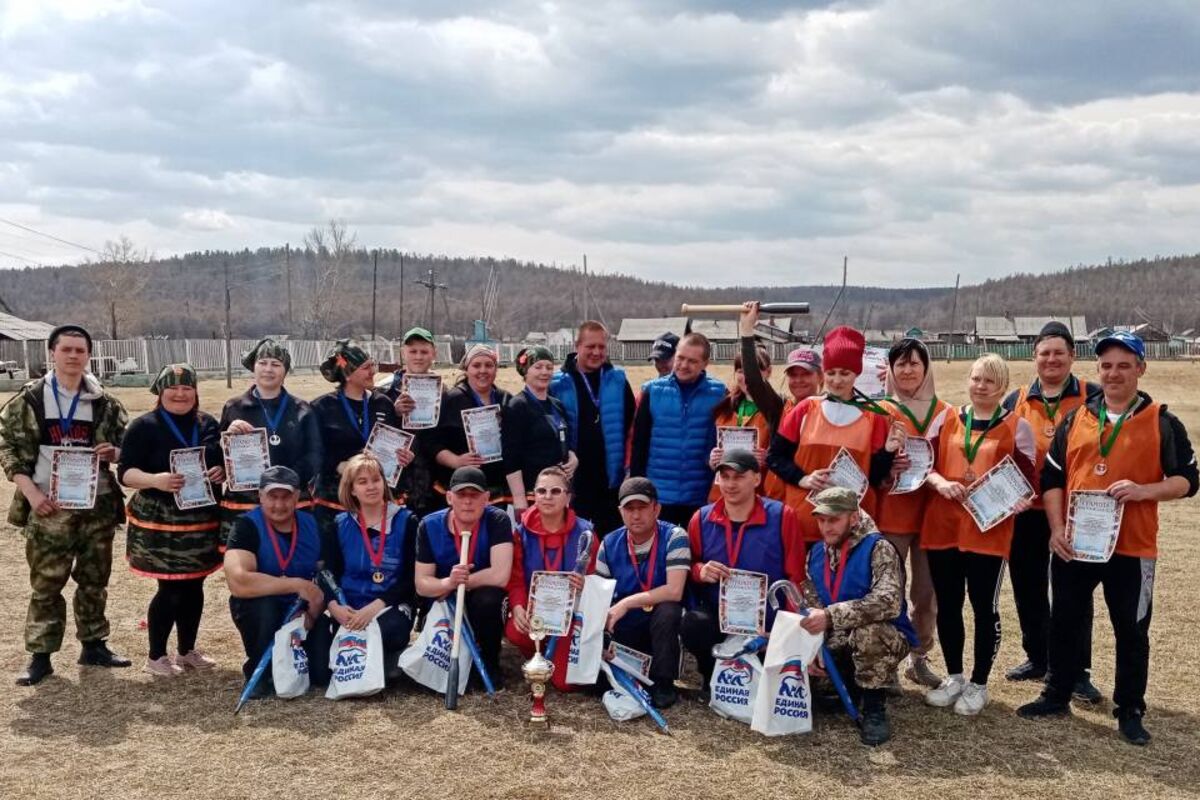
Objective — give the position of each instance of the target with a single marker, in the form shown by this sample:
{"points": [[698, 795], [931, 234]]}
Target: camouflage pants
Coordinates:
{"points": [[873, 650], [68, 544]]}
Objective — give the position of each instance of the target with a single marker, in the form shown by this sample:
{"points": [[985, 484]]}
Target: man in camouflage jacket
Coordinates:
{"points": [[66, 408]]}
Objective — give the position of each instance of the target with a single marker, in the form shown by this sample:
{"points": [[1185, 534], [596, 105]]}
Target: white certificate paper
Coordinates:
{"points": [[197, 491], [732, 438], [426, 392], [994, 497], [635, 662], [1093, 525], [846, 473], [920, 464], [482, 426], [246, 458], [743, 603], [74, 477], [552, 598], [383, 443], [868, 381]]}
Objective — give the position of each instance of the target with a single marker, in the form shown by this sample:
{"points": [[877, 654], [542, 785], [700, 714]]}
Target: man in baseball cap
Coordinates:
{"points": [[662, 353], [855, 587]]}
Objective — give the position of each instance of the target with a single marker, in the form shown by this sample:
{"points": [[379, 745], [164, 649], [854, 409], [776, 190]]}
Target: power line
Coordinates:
{"points": [[23, 259], [49, 236]]}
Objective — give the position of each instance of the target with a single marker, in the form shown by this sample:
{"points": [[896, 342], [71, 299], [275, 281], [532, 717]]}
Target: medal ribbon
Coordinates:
{"points": [[969, 450], [364, 429], [556, 566], [859, 401], [479, 400], [836, 588], [1106, 446], [734, 549], [1052, 410], [178, 434], [64, 423], [647, 584], [745, 410], [376, 558], [588, 385], [273, 421], [920, 426], [457, 537], [274, 537], [556, 420]]}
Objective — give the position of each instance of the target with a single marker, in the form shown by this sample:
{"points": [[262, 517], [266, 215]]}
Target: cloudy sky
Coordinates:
{"points": [[709, 142]]}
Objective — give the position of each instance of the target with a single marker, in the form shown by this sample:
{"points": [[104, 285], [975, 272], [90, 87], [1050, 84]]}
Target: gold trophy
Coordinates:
{"points": [[537, 671]]}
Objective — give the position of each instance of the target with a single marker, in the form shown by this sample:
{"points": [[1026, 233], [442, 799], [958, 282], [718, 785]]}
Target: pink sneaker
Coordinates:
{"points": [[196, 660], [162, 668]]}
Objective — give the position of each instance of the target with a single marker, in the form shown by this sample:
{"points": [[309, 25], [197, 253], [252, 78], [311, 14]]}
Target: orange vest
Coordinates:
{"points": [[1034, 411], [1135, 457], [819, 443], [772, 485], [903, 513], [947, 524]]}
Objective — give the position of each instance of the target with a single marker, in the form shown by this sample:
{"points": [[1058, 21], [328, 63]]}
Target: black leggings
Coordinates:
{"points": [[956, 576], [178, 605]]}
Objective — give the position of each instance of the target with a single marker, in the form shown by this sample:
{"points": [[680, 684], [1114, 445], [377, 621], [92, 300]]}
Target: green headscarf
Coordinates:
{"points": [[174, 375], [267, 348], [530, 356], [343, 358]]}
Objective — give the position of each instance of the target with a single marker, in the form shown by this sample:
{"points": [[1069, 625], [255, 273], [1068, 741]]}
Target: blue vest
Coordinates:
{"points": [[531, 549], [626, 573], [682, 436], [856, 580], [612, 415], [357, 582], [308, 547], [444, 551], [761, 551]]}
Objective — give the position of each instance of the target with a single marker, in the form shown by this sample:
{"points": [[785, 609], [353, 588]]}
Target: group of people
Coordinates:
{"points": [[883, 574]]}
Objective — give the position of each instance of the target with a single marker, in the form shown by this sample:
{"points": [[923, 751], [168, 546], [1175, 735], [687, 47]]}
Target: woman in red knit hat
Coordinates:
{"points": [[812, 434]]}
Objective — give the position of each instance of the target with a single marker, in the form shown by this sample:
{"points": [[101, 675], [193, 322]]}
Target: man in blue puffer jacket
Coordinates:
{"points": [[674, 431], [599, 404]]}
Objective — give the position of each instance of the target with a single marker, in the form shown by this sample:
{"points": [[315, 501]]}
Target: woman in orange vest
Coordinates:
{"points": [[818, 428], [737, 410], [972, 440], [913, 403]]}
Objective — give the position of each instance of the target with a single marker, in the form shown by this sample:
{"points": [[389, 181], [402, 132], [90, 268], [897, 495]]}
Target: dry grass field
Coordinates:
{"points": [[89, 733]]}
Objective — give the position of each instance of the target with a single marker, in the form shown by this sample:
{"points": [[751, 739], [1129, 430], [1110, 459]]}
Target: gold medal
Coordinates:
{"points": [[969, 475], [1101, 468], [647, 609], [377, 576], [1049, 431]]}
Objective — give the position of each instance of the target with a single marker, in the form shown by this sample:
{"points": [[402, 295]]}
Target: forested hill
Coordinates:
{"points": [[330, 295]]}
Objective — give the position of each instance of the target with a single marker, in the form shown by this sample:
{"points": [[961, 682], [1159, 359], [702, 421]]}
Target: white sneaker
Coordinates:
{"points": [[162, 667], [972, 700], [947, 692]]}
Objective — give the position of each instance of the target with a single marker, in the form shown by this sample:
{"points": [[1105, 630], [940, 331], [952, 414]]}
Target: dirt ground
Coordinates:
{"points": [[89, 733]]}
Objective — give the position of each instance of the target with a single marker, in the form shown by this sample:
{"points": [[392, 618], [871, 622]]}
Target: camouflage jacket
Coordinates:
{"points": [[883, 602], [20, 436]]}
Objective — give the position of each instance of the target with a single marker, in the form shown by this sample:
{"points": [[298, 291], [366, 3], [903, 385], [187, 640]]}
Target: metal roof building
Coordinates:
{"points": [[647, 330], [23, 330], [717, 330]]}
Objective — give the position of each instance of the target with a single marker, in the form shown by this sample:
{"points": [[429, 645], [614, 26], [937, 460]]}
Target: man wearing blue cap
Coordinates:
{"points": [[1120, 445]]}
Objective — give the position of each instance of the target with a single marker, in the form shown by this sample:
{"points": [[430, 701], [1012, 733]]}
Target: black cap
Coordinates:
{"points": [[68, 330], [740, 460], [468, 478], [664, 347], [1054, 329], [637, 489], [279, 478]]}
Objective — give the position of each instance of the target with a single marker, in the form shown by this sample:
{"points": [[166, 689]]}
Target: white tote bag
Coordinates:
{"points": [[619, 705], [289, 661], [587, 637], [427, 660], [783, 703], [734, 683], [356, 661]]}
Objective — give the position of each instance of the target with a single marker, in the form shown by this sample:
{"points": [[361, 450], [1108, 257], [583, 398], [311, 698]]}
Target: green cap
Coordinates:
{"points": [[174, 375], [835, 500], [418, 333]]}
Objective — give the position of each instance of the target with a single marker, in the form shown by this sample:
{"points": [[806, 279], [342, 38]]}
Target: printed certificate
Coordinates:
{"points": [[384, 443], [1094, 524], [74, 478], [482, 427], [246, 458], [868, 381], [552, 598], [920, 464], [742, 608], [995, 496], [426, 392], [635, 662], [732, 438], [197, 491], [847, 474]]}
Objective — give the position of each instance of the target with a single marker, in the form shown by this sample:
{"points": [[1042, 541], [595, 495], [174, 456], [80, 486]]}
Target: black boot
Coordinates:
{"points": [[1086, 691], [97, 654], [874, 728], [1045, 706], [1129, 723], [663, 694], [39, 667], [1028, 671], [391, 667]]}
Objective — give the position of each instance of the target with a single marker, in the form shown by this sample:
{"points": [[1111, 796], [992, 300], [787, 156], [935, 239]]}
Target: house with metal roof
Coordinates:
{"points": [[15, 329], [647, 330]]}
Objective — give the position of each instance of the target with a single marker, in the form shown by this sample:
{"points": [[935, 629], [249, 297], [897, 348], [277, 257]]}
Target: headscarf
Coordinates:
{"points": [[267, 348], [476, 350], [925, 392], [343, 358], [530, 356], [174, 375]]}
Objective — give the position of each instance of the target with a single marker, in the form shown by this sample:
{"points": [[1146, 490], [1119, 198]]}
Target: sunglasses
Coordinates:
{"points": [[549, 491]]}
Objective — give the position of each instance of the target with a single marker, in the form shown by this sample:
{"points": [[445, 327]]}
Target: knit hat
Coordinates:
{"points": [[530, 356], [1053, 329], [476, 350], [843, 349], [267, 348], [343, 358], [68, 330], [174, 375]]}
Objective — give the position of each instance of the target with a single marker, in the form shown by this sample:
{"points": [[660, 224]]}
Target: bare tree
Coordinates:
{"points": [[120, 276], [332, 249]]}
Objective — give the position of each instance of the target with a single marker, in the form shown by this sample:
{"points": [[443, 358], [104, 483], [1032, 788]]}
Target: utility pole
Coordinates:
{"points": [[228, 341], [585, 288], [432, 285], [401, 326], [953, 320], [287, 266], [374, 290]]}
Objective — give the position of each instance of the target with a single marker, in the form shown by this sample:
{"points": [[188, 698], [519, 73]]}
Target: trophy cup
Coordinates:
{"points": [[537, 671]]}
